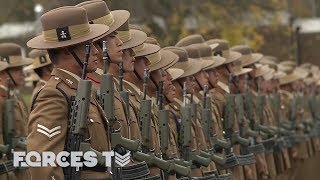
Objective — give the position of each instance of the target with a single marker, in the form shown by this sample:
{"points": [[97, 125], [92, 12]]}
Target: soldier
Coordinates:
{"points": [[248, 60], [98, 13], [42, 66], [66, 31], [190, 68], [11, 53], [148, 57]]}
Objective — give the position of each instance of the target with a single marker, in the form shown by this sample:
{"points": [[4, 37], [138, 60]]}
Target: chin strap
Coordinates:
{"points": [[10, 76], [75, 56]]}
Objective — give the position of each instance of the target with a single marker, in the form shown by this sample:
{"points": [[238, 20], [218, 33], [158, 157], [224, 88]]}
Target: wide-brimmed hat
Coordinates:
{"points": [[262, 70], [194, 53], [145, 49], [99, 13], [175, 73], [223, 50], [130, 37], [161, 59], [279, 74], [247, 57], [269, 60], [206, 54], [188, 65], [40, 59], [32, 76], [286, 69], [288, 63], [3, 65], [301, 72], [310, 80], [152, 40], [192, 39], [287, 79], [11, 53], [306, 65], [66, 26], [239, 70], [268, 76]]}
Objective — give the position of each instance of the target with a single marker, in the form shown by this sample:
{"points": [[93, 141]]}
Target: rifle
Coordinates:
{"points": [[163, 116], [208, 128], [11, 142], [106, 100], [185, 135], [79, 111], [123, 93]]}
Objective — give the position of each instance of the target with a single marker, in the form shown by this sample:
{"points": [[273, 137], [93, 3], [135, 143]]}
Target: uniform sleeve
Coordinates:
{"points": [[47, 128]]}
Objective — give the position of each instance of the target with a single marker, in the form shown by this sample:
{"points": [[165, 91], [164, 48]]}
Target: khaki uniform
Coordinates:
{"points": [[50, 112], [261, 164], [219, 100], [175, 110], [39, 85], [21, 117], [119, 105], [134, 97]]}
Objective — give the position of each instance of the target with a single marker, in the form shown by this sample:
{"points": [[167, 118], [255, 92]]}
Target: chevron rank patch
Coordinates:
{"points": [[48, 132]]}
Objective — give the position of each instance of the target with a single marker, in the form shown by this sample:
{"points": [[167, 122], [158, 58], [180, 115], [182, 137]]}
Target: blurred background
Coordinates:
{"points": [[287, 29]]}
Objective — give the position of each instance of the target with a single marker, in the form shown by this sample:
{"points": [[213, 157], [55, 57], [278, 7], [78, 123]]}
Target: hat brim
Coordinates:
{"points": [[96, 30], [32, 66], [255, 57], [232, 56], [243, 71], [23, 62], [120, 17], [3, 65], [289, 79], [190, 67], [147, 50], [214, 45], [167, 57], [217, 61], [175, 73], [137, 38]]}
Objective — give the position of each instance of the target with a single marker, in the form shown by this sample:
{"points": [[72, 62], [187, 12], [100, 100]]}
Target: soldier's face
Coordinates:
{"points": [[140, 64], [190, 82], [242, 84], [202, 78], [93, 58], [169, 90], [253, 72], [17, 75], [213, 77], [114, 48], [128, 60]]}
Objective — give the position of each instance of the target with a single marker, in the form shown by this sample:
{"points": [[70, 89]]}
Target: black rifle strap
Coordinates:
{"points": [[75, 56], [10, 76]]}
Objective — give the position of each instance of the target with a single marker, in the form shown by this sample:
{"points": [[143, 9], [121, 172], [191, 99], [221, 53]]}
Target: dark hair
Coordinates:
{"points": [[54, 55], [39, 72]]}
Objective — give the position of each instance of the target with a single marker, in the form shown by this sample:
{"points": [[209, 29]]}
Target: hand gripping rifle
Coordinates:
{"points": [[185, 135], [163, 116], [77, 131], [209, 129]]}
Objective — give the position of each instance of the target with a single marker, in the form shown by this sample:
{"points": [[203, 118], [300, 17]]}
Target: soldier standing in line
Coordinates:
{"points": [[248, 60], [11, 53], [66, 32], [42, 66], [98, 13]]}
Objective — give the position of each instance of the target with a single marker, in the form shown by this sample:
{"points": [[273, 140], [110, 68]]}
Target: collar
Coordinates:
{"points": [[42, 81], [67, 77], [99, 71], [71, 74], [224, 87]]}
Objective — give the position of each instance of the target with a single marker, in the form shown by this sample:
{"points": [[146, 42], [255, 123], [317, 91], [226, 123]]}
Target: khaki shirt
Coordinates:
{"points": [[48, 124], [39, 85], [119, 105]]}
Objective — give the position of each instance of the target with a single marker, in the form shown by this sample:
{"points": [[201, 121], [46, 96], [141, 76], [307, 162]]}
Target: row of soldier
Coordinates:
{"points": [[196, 110]]}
